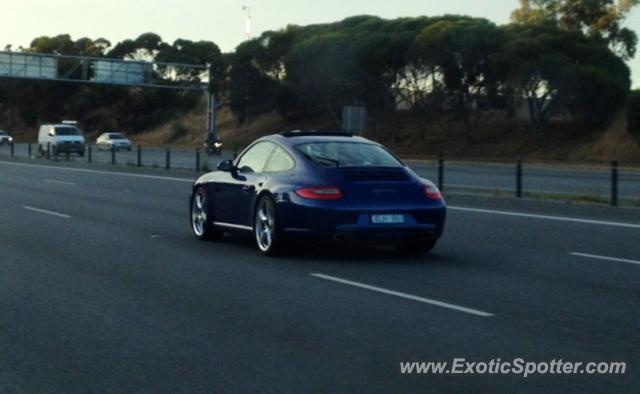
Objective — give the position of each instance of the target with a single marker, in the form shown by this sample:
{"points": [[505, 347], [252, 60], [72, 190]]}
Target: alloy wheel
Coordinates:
{"points": [[265, 225], [198, 214]]}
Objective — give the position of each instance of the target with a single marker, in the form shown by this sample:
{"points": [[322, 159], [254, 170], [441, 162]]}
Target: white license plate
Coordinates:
{"points": [[387, 219]]}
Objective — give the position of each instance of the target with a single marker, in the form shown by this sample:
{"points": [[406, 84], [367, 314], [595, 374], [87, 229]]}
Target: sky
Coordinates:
{"points": [[221, 21]]}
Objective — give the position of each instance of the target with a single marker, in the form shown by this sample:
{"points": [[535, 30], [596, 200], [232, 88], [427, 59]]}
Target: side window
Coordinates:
{"points": [[279, 161], [256, 157]]}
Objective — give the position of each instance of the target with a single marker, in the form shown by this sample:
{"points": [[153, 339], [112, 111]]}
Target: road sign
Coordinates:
{"points": [[354, 119], [96, 70], [120, 73], [18, 65]]}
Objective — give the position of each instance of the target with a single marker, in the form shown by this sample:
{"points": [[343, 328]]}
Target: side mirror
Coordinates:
{"points": [[52, 134], [226, 166]]}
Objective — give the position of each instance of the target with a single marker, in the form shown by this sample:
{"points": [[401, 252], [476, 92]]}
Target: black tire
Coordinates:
{"points": [[202, 227], [418, 246], [275, 245]]}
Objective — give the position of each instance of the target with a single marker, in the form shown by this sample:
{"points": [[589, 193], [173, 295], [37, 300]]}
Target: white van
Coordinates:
{"points": [[65, 137]]}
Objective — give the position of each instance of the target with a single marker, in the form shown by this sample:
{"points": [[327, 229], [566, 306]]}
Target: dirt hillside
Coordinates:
{"points": [[499, 138]]}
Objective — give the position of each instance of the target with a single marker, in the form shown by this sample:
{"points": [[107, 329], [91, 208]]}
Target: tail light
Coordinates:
{"points": [[320, 193], [432, 192]]}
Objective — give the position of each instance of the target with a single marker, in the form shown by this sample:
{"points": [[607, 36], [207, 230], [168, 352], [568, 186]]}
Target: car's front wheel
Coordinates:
{"points": [[265, 227], [201, 216]]}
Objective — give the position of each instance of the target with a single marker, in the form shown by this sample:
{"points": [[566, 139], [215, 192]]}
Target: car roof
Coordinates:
{"points": [[292, 138]]}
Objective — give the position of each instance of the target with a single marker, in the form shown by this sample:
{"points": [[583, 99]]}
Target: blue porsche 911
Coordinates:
{"points": [[316, 185]]}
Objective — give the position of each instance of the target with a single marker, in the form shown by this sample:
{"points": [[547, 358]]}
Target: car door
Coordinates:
{"points": [[278, 162], [234, 189]]}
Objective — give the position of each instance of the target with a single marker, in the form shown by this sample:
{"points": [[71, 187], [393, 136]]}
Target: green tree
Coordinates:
{"points": [[250, 91], [602, 19], [558, 71], [460, 51], [191, 53], [324, 74], [535, 71], [63, 44], [145, 47]]}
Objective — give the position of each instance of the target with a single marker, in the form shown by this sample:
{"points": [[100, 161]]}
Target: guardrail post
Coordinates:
{"points": [[614, 183], [139, 161], [48, 150], [519, 179], [89, 150], [168, 162], [12, 149], [67, 155], [29, 149], [441, 172], [113, 154], [197, 159]]}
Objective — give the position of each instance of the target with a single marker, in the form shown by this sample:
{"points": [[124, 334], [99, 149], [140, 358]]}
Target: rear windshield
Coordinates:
{"points": [[67, 131], [116, 137], [347, 154]]}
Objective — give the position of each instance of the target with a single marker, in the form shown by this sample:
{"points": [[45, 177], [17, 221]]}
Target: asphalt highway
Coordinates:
{"points": [[104, 289]]}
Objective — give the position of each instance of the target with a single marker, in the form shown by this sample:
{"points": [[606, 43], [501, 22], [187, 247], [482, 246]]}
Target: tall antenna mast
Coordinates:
{"points": [[247, 30]]}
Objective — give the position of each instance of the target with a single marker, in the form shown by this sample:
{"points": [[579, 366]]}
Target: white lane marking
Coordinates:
{"points": [[59, 182], [404, 295], [165, 178], [47, 212], [596, 257], [546, 217]]}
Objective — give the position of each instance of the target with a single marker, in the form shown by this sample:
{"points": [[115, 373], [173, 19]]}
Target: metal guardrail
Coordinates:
{"points": [[611, 184], [139, 156]]}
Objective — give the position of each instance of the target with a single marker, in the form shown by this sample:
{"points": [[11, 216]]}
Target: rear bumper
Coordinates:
{"points": [[333, 223]]}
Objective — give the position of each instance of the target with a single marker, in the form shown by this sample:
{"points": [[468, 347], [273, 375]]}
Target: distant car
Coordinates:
{"points": [[117, 141], [5, 138], [65, 137], [318, 185]]}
